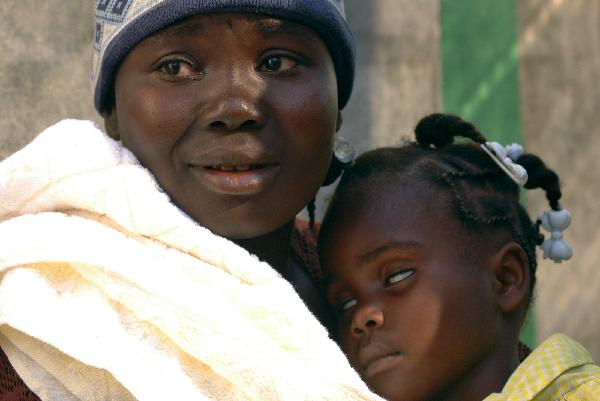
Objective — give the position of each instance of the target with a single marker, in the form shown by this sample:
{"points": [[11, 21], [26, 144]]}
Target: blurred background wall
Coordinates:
{"points": [[45, 49], [526, 70]]}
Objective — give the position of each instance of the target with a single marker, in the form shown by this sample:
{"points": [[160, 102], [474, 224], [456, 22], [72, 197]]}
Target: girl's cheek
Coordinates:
{"points": [[345, 339]]}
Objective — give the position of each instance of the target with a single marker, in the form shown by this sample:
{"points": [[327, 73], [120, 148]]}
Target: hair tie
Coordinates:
{"points": [[555, 247], [505, 158], [514, 151]]}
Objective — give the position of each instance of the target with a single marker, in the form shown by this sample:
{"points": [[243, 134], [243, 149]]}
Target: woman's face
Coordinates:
{"points": [[416, 317], [234, 115]]}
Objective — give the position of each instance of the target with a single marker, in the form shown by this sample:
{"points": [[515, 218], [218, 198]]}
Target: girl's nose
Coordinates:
{"points": [[365, 319], [235, 102]]}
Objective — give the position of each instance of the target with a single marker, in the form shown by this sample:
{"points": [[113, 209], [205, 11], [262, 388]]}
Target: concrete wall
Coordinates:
{"points": [[398, 76], [560, 98], [44, 72], [44, 68]]}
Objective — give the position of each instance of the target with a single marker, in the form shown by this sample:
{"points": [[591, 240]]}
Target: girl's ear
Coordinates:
{"points": [[510, 270], [111, 124], [338, 123]]}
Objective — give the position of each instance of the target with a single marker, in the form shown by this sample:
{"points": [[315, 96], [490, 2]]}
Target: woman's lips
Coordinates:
{"points": [[381, 364], [232, 179]]}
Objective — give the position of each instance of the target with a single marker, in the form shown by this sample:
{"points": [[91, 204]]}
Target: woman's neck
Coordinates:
{"points": [[273, 247]]}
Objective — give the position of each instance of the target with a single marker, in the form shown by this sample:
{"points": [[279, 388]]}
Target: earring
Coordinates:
{"points": [[341, 160]]}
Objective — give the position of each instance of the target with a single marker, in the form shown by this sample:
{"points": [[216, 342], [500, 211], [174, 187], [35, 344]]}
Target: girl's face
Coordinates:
{"points": [[234, 115], [416, 314]]}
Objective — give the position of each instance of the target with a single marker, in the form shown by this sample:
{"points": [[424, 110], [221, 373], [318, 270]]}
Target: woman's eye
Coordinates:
{"points": [[177, 69], [278, 64], [347, 305], [399, 276]]}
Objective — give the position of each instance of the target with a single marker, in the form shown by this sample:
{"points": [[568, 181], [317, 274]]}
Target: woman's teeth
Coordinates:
{"points": [[229, 168]]}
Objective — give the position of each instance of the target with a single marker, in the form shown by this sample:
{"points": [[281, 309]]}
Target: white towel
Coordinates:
{"points": [[109, 292]]}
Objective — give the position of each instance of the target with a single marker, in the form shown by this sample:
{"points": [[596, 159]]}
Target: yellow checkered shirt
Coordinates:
{"points": [[560, 369]]}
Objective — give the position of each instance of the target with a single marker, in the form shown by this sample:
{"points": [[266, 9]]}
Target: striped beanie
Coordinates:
{"points": [[122, 24]]}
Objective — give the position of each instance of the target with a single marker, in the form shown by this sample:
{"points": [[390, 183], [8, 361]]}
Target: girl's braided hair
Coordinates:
{"points": [[485, 199]]}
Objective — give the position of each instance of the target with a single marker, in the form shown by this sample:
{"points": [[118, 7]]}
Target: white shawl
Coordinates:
{"points": [[109, 292]]}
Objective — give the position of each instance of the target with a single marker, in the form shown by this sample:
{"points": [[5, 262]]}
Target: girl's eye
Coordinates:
{"points": [[177, 69], [278, 64], [347, 305], [399, 276]]}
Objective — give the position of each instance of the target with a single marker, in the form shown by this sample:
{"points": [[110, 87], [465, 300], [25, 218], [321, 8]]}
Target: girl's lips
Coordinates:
{"points": [[236, 180], [382, 363]]}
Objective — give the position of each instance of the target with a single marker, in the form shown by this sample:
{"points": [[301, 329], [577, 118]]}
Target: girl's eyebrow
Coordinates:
{"points": [[407, 246], [327, 279], [390, 247]]}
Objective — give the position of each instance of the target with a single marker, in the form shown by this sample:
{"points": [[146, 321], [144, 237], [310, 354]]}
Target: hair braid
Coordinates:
{"points": [[310, 208], [541, 176], [439, 130], [508, 217]]}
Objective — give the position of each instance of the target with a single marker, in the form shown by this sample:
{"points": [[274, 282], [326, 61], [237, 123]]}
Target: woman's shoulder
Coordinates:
{"points": [[12, 388]]}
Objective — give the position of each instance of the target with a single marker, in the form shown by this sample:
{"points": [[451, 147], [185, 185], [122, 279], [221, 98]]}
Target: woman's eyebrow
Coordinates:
{"points": [[265, 27], [193, 27], [327, 279], [268, 27]]}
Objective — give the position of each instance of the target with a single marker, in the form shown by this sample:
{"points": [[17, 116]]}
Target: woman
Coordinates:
{"points": [[226, 112]]}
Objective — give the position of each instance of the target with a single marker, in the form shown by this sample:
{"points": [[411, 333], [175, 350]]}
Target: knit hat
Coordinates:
{"points": [[122, 24]]}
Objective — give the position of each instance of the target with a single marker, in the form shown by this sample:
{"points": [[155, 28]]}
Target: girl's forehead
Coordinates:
{"points": [[383, 207], [391, 225], [380, 211], [391, 192]]}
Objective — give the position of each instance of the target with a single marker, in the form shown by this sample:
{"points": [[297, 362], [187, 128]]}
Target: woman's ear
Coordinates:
{"points": [[111, 123], [510, 270], [338, 123]]}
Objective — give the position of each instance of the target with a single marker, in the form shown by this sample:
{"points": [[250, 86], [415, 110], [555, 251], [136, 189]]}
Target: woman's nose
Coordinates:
{"points": [[235, 101], [366, 318]]}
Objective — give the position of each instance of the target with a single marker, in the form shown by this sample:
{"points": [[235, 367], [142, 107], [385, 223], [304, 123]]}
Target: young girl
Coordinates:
{"points": [[430, 263], [130, 270]]}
